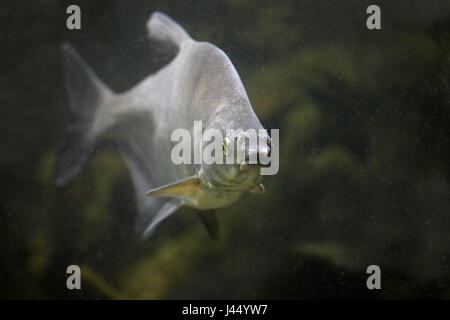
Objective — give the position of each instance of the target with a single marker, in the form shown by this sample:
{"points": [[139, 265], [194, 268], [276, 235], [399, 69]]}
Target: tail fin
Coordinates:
{"points": [[86, 92]]}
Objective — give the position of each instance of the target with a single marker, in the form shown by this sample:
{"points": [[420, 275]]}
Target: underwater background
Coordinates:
{"points": [[364, 173]]}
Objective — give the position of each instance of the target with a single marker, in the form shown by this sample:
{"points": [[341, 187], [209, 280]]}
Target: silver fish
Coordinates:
{"points": [[199, 83]]}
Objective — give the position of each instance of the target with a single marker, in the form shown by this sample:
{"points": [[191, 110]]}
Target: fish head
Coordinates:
{"points": [[244, 152]]}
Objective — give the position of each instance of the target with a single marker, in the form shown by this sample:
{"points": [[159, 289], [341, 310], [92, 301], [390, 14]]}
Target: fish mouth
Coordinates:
{"points": [[243, 167]]}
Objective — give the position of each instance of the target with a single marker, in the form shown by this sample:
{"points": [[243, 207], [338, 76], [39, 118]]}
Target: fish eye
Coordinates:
{"points": [[226, 141]]}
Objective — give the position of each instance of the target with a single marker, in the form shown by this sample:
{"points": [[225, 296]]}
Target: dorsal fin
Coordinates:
{"points": [[162, 28], [166, 37]]}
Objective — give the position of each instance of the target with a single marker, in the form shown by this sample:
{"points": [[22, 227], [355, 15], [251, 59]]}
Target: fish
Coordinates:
{"points": [[198, 83]]}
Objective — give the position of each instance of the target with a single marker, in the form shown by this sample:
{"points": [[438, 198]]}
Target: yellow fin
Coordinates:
{"points": [[188, 189]]}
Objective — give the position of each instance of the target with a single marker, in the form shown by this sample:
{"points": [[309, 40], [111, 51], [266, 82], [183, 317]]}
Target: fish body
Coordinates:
{"points": [[199, 84]]}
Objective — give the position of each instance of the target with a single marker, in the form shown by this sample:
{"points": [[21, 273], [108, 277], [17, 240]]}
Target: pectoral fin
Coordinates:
{"points": [[211, 223], [188, 190], [258, 189]]}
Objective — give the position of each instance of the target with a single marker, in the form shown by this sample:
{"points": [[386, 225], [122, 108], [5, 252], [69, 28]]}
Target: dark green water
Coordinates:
{"points": [[364, 155]]}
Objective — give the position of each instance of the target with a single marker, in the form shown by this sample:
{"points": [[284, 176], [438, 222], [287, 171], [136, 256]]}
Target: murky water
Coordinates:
{"points": [[364, 148]]}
